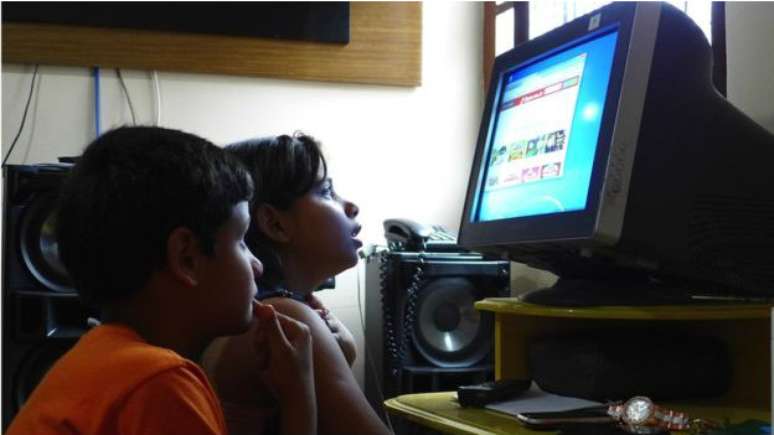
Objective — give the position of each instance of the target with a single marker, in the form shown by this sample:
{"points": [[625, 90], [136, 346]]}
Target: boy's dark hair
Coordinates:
{"points": [[284, 168], [131, 187]]}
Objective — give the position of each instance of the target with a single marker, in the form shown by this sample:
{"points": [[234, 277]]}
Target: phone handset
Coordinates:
{"points": [[408, 235]]}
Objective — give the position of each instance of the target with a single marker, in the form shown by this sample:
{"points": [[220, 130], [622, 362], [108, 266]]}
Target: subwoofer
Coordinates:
{"points": [[422, 330], [42, 315]]}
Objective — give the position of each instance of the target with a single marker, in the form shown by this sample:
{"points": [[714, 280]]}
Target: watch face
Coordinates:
{"points": [[637, 410]]}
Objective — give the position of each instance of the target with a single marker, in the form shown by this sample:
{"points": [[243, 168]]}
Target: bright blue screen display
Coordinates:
{"points": [[547, 121]]}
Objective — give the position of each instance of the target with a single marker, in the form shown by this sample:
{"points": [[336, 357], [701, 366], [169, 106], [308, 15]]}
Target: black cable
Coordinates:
{"points": [[24, 115], [369, 357], [126, 92], [397, 345]]}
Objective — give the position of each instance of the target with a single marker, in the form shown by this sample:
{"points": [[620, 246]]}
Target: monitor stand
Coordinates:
{"points": [[608, 292]]}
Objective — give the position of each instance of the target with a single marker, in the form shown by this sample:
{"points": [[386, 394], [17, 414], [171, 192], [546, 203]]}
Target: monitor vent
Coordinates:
{"points": [[541, 249], [544, 255], [538, 248], [733, 238]]}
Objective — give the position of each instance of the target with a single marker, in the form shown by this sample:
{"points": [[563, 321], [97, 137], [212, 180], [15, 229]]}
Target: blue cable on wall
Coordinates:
{"points": [[96, 102]]}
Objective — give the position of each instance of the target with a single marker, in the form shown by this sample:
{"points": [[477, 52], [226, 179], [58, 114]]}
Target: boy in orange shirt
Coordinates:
{"points": [[150, 227]]}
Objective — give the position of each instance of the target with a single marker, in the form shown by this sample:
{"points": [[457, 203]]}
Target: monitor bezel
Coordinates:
{"points": [[602, 219]]}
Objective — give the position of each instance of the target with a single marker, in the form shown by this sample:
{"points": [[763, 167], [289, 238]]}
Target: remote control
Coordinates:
{"points": [[489, 392]]}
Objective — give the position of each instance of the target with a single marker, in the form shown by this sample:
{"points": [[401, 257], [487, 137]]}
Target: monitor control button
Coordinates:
{"points": [[615, 177], [614, 188]]}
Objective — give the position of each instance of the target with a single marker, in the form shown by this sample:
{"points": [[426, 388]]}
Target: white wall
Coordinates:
{"points": [[395, 151], [750, 59]]}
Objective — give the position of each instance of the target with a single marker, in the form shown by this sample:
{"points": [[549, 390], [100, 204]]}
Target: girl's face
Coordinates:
{"points": [[323, 233]]}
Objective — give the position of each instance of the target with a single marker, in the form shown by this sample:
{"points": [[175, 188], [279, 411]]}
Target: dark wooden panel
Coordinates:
{"points": [[385, 48], [309, 21]]}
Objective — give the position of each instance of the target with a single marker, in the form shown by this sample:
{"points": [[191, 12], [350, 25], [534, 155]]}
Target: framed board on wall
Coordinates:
{"points": [[385, 47], [308, 21]]}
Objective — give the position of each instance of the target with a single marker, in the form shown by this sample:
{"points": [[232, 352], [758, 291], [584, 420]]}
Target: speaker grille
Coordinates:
{"points": [[42, 316]]}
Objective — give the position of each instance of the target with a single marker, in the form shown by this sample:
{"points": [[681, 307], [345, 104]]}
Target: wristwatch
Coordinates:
{"points": [[639, 415]]}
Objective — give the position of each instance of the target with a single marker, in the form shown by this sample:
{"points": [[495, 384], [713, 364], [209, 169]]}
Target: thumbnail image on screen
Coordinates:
{"points": [[541, 153]]}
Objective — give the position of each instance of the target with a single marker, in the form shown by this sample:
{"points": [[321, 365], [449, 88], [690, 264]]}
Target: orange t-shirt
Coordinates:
{"points": [[113, 382]]}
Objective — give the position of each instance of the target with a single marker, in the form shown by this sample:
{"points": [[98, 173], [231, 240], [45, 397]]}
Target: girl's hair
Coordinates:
{"points": [[284, 168]]}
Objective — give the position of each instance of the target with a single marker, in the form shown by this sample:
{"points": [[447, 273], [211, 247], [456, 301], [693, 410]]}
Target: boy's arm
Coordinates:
{"points": [[289, 372], [269, 366], [342, 406]]}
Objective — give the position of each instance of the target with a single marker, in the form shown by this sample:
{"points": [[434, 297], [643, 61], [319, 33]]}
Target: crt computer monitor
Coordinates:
{"points": [[606, 156]]}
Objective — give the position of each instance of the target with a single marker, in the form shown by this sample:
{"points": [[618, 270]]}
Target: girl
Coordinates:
{"points": [[304, 233]]}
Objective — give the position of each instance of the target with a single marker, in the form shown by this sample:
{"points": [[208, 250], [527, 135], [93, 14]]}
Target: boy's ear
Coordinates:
{"points": [[183, 253], [272, 223]]}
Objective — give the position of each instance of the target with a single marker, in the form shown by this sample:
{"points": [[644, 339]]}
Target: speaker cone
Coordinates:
{"points": [[36, 364], [449, 331], [38, 245]]}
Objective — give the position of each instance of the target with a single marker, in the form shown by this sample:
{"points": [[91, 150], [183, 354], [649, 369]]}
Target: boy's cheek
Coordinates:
{"points": [[263, 359], [261, 349]]}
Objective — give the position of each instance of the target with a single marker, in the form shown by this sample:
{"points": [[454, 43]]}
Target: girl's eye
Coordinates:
{"points": [[327, 191]]}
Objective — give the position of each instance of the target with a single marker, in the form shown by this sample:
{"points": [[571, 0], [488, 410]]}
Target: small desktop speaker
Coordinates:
{"points": [[422, 330], [42, 316]]}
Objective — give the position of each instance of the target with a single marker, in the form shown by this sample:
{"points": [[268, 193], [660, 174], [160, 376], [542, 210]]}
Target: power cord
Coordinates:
{"points": [[157, 94], [126, 93], [97, 107], [24, 115], [365, 254]]}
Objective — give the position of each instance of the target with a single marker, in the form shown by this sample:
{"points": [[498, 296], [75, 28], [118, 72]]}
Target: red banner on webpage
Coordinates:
{"points": [[539, 93]]}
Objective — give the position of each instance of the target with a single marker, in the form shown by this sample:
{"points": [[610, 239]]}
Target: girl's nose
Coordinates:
{"points": [[351, 209]]}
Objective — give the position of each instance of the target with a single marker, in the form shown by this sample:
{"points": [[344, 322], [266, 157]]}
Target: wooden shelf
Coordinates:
{"points": [[744, 328], [658, 312]]}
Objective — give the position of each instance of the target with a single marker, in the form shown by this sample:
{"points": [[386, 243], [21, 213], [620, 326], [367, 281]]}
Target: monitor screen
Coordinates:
{"points": [[540, 153], [598, 159]]}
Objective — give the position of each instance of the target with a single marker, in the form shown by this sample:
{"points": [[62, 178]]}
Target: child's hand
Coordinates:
{"points": [[340, 332], [285, 346]]}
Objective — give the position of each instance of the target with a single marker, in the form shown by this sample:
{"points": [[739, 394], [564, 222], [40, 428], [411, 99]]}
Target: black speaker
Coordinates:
{"points": [[42, 315], [422, 330]]}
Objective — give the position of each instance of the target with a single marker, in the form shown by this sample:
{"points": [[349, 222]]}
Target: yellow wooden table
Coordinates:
{"points": [[441, 412], [745, 328]]}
